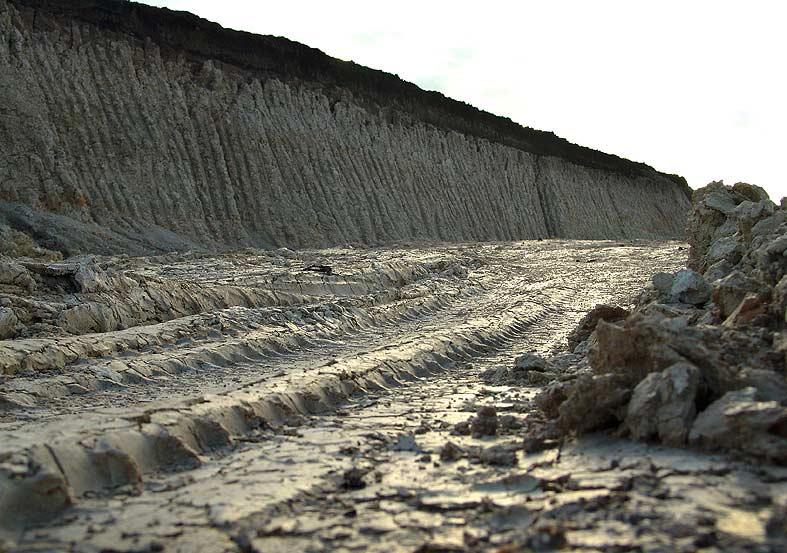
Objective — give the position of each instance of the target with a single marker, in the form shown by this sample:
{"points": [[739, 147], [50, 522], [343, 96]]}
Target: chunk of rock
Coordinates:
{"points": [[451, 452], [406, 442], [551, 397], [87, 317], [711, 203], [497, 455], [738, 421], [530, 361], [353, 479], [594, 402], [726, 248], [749, 213], [663, 405], [718, 270], [8, 322], [91, 278], [662, 282], [729, 291], [528, 370], [770, 385], [749, 311], [689, 287], [587, 325], [485, 422], [769, 225], [644, 344], [13, 274]]}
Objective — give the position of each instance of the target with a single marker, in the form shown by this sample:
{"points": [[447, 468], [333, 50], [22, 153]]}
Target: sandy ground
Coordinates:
{"points": [[317, 419]]}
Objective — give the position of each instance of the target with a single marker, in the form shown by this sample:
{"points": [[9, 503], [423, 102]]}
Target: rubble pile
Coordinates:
{"points": [[700, 360]]}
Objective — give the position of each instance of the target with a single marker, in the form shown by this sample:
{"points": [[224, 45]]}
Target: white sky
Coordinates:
{"points": [[693, 87]]}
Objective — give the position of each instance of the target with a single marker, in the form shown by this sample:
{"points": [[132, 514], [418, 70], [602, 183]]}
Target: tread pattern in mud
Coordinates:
{"points": [[203, 388]]}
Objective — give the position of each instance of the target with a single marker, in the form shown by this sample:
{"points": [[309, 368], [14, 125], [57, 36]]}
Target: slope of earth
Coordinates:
{"points": [[318, 415], [129, 129]]}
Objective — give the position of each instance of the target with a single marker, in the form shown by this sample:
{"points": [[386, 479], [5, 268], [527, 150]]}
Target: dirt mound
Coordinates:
{"points": [[701, 358]]}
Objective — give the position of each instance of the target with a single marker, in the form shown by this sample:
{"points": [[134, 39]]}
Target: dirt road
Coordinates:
{"points": [[318, 417]]}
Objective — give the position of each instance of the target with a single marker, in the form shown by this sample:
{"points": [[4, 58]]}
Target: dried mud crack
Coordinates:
{"points": [[272, 408]]}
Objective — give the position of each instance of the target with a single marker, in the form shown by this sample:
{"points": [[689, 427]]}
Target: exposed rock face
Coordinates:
{"points": [[701, 358], [131, 129]]}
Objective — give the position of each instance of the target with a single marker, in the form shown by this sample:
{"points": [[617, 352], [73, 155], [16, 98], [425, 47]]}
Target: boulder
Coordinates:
{"points": [[751, 192], [770, 385], [663, 405], [530, 362]]}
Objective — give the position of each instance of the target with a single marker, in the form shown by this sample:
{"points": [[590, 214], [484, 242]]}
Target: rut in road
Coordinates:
{"points": [[246, 415]]}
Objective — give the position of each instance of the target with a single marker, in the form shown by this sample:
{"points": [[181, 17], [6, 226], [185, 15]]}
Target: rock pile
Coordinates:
{"points": [[700, 360]]}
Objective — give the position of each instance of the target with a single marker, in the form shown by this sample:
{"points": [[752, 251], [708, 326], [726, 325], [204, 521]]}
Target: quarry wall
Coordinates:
{"points": [[122, 132]]}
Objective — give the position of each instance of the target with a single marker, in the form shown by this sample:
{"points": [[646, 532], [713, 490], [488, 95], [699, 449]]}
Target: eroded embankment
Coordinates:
{"points": [[115, 140]]}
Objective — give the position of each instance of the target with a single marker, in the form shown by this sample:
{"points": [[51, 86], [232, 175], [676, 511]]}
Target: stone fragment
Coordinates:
{"points": [[530, 362], [689, 287], [727, 248], [717, 271], [551, 397], [13, 274], [485, 422], [769, 225], [587, 325], [406, 442], [738, 421], [451, 452], [353, 479], [663, 405], [748, 311], [593, 403], [749, 213], [8, 323], [644, 344], [750, 192], [770, 385], [88, 317], [729, 291], [497, 455], [528, 370], [662, 282], [91, 278], [712, 204]]}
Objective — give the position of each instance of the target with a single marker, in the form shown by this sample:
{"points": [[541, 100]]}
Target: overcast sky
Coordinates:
{"points": [[693, 87]]}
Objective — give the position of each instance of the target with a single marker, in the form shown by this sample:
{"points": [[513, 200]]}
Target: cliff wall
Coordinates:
{"points": [[125, 128]]}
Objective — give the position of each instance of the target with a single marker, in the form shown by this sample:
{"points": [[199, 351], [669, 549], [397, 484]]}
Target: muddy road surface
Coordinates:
{"points": [[331, 400]]}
